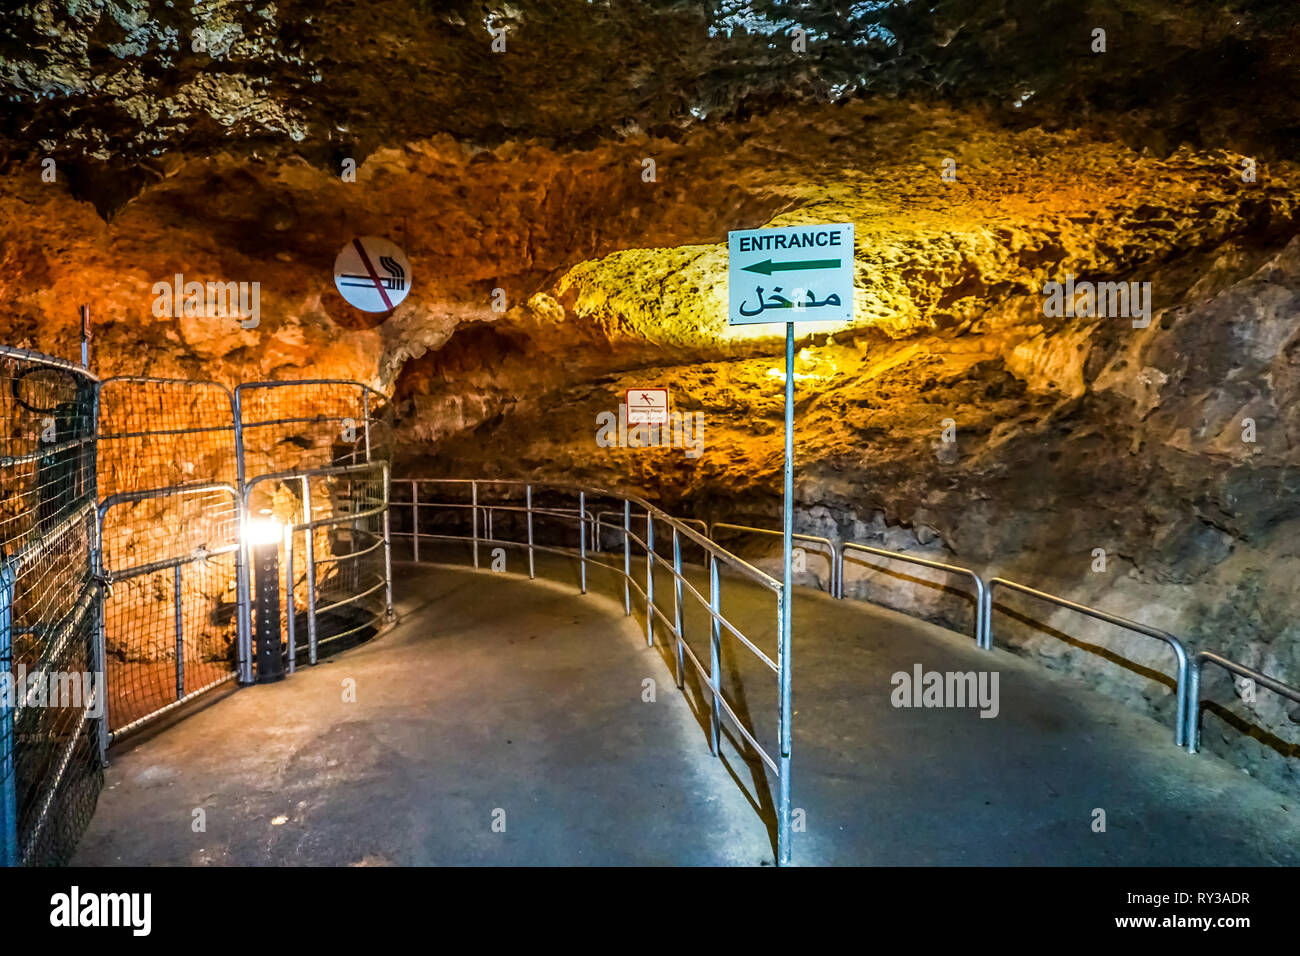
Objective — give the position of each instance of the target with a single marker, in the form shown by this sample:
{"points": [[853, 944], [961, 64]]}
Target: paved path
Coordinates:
{"points": [[496, 693]]}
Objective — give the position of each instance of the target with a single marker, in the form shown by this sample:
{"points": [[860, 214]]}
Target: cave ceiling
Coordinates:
{"points": [[119, 92]]}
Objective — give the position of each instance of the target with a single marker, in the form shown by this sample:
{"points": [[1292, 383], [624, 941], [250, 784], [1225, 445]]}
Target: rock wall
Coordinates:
{"points": [[551, 277]]}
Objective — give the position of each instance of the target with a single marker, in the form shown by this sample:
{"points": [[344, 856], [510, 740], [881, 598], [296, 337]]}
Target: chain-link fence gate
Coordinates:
{"points": [[169, 521], [115, 615], [314, 458], [50, 737]]}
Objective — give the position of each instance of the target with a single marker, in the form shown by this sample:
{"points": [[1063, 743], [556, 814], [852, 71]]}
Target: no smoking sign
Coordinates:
{"points": [[372, 274]]}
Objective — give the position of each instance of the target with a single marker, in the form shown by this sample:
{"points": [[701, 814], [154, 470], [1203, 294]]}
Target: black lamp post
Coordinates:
{"points": [[264, 544]]}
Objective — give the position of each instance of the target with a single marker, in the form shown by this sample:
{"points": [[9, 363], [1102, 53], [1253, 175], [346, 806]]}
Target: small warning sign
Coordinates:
{"points": [[372, 274], [647, 406]]}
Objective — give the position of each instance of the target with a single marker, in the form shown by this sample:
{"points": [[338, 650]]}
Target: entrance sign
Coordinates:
{"points": [[814, 268], [372, 274], [790, 274], [647, 406]]}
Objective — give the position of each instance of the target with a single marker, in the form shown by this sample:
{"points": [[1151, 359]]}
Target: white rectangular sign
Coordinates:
{"points": [[647, 406], [790, 274]]}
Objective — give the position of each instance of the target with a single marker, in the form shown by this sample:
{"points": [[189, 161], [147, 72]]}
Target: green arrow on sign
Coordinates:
{"points": [[767, 266]]}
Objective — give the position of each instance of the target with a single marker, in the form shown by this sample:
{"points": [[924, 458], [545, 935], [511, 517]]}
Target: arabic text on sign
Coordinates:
{"points": [[777, 301]]}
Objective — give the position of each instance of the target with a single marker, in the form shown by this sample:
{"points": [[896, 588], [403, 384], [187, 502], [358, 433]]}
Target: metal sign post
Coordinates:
{"points": [[787, 607], [815, 263], [85, 336]]}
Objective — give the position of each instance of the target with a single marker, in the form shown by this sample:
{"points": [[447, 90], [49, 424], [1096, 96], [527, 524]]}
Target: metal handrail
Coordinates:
{"points": [[601, 514], [308, 525], [1180, 652], [1241, 670], [518, 509], [832, 553], [982, 638], [42, 358], [760, 577], [680, 529]]}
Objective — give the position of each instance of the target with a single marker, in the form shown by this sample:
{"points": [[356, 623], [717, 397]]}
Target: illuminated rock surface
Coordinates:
{"points": [[1072, 433]]}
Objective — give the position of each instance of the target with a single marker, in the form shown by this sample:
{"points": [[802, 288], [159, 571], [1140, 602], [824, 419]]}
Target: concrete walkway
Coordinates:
{"points": [[499, 698]]}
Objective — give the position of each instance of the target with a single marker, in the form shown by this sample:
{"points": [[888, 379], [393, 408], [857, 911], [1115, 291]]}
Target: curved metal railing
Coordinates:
{"points": [[981, 592], [680, 530], [1241, 670], [831, 552], [1180, 652], [1187, 671]]}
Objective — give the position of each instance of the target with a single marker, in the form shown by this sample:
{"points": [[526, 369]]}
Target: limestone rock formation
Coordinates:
{"points": [[565, 205]]}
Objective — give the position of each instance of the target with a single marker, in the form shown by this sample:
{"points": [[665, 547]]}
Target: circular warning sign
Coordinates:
{"points": [[372, 274]]}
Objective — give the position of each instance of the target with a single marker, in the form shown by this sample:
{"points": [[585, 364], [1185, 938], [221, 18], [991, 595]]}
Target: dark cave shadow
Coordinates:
{"points": [[1243, 726], [1159, 677], [700, 703], [966, 596]]}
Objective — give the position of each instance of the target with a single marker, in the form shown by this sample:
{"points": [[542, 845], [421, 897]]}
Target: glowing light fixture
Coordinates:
{"points": [[262, 531]]}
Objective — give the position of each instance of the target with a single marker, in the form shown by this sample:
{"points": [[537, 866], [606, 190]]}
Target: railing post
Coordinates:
{"points": [[243, 594], [1184, 679], [528, 500], [649, 578], [677, 605], [388, 547], [101, 627], [415, 519], [627, 557], [288, 594], [180, 634], [582, 538], [715, 657], [365, 412], [473, 497], [1193, 726], [783, 720], [988, 614], [8, 781], [309, 564]]}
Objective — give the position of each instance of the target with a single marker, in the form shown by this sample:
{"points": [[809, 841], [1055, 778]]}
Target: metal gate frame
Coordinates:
{"points": [[110, 576], [17, 847], [309, 525], [245, 485]]}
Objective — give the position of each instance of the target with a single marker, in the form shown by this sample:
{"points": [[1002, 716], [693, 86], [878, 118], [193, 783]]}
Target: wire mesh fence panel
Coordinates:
{"points": [[299, 426], [315, 428], [160, 433], [171, 613], [95, 649], [350, 559], [336, 555], [50, 771]]}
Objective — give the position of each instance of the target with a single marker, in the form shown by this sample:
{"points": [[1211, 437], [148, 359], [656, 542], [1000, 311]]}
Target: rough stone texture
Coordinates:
{"points": [[524, 174], [117, 91], [1072, 434]]}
